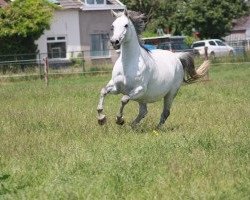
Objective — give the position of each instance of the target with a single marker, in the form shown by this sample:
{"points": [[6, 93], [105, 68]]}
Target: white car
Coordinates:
{"points": [[215, 47]]}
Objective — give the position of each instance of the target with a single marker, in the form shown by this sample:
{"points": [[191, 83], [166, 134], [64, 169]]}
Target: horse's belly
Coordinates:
{"points": [[150, 99], [154, 94], [167, 81]]}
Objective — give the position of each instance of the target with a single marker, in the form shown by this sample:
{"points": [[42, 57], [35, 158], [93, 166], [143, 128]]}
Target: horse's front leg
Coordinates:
{"points": [[133, 95], [119, 117], [110, 88]]}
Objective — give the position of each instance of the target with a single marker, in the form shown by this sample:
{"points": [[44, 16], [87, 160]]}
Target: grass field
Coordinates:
{"points": [[51, 146]]}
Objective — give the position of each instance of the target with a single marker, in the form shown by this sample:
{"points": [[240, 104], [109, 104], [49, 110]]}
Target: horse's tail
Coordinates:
{"points": [[193, 74]]}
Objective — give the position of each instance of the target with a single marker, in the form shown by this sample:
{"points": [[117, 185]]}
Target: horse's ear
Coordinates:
{"points": [[125, 12], [114, 14]]}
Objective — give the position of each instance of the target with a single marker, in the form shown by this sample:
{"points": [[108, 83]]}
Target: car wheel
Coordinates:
{"points": [[231, 53], [212, 55], [196, 53]]}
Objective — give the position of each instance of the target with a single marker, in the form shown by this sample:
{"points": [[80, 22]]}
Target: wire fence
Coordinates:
{"points": [[32, 65]]}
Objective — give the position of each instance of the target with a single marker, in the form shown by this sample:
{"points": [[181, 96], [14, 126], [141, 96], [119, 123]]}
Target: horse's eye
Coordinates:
{"points": [[126, 26], [112, 28]]}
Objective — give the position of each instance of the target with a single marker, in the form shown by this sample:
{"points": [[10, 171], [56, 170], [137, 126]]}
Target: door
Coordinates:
{"points": [[222, 48]]}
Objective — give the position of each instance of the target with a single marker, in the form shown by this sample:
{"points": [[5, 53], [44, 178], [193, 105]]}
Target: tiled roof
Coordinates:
{"points": [[70, 4], [242, 23], [79, 4], [2, 3], [235, 36]]}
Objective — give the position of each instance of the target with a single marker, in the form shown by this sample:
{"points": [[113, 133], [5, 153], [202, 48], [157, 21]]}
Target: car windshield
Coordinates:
{"points": [[165, 46], [173, 46], [180, 46]]}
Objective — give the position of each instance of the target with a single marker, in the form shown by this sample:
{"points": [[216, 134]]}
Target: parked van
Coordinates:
{"points": [[167, 42]]}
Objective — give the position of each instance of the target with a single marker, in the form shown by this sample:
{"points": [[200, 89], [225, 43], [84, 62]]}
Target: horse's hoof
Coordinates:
{"points": [[134, 125], [120, 120], [102, 120]]}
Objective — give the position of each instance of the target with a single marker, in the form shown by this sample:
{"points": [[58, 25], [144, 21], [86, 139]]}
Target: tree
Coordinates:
{"points": [[23, 22], [213, 19], [158, 12]]}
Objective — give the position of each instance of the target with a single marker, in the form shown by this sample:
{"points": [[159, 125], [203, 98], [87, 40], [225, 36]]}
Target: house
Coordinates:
{"points": [[241, 29], [79, 27], [240, 34]]}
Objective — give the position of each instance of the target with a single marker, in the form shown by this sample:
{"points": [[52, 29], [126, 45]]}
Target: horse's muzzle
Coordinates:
{"points": [[116, 44]]}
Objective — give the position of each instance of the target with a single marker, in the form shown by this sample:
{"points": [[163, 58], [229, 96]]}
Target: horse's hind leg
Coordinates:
{"points": [[142, 113], [168, 99]]}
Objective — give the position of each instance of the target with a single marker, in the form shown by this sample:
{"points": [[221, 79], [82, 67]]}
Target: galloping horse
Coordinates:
{"points": [[145, 76]]}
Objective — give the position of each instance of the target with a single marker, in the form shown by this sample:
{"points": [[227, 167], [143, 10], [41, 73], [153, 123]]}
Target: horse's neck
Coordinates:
{"points": [[130, 53]]}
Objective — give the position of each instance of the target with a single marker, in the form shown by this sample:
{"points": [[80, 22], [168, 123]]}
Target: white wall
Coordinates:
{"points": [[64, 23], [248, 34]]}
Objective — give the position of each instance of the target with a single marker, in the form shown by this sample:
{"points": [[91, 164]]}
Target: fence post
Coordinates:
{"points": [[83, 63], [206, 77], [206, 53], [46, 70], [40, 65]]}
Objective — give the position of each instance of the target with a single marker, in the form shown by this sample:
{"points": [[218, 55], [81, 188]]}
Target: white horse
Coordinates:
{"points": [[145, 76]]}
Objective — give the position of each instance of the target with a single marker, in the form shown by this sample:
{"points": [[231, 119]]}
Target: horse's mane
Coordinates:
{"points": [[138, 19]]}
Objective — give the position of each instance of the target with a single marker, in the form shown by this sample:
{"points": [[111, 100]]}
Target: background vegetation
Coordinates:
{"points": [[21, 26], [187, 16], [52, 148], [23, 22]]}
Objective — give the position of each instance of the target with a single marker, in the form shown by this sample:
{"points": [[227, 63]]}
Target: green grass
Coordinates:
{"points": [[51, 146]]}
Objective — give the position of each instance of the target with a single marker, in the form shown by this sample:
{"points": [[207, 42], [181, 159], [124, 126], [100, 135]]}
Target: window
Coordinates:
{"points": [[56, 47], [180, 46], [90, 1], [165, 46], [51, 38], [95, 2], [199, 44], [100, 1], [212, 43], [60, 38], [220, 43], [99, 45]]}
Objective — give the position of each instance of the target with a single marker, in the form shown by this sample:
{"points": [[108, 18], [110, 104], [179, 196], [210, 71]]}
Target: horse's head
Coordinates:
{"points": [[121, 29]]}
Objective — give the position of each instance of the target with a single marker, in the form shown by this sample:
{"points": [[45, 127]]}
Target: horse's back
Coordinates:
{"points": [[167, 64], [166, 58]]}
